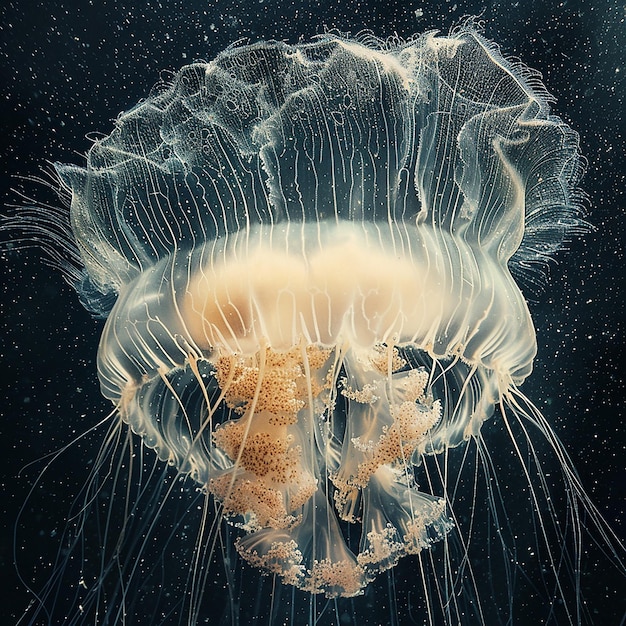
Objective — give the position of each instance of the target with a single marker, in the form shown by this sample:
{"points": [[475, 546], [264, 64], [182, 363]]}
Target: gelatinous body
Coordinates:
{"points": [[310, 250]]}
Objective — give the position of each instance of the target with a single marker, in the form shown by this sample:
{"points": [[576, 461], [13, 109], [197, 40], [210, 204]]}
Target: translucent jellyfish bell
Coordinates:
{"points": [[305, 256]]}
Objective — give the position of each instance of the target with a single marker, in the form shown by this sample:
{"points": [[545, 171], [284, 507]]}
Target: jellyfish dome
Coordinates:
{"points": [[305, 255]]}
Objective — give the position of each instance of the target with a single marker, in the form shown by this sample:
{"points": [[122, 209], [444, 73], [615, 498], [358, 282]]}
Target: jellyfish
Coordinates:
{"points": [[309, 258]]}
